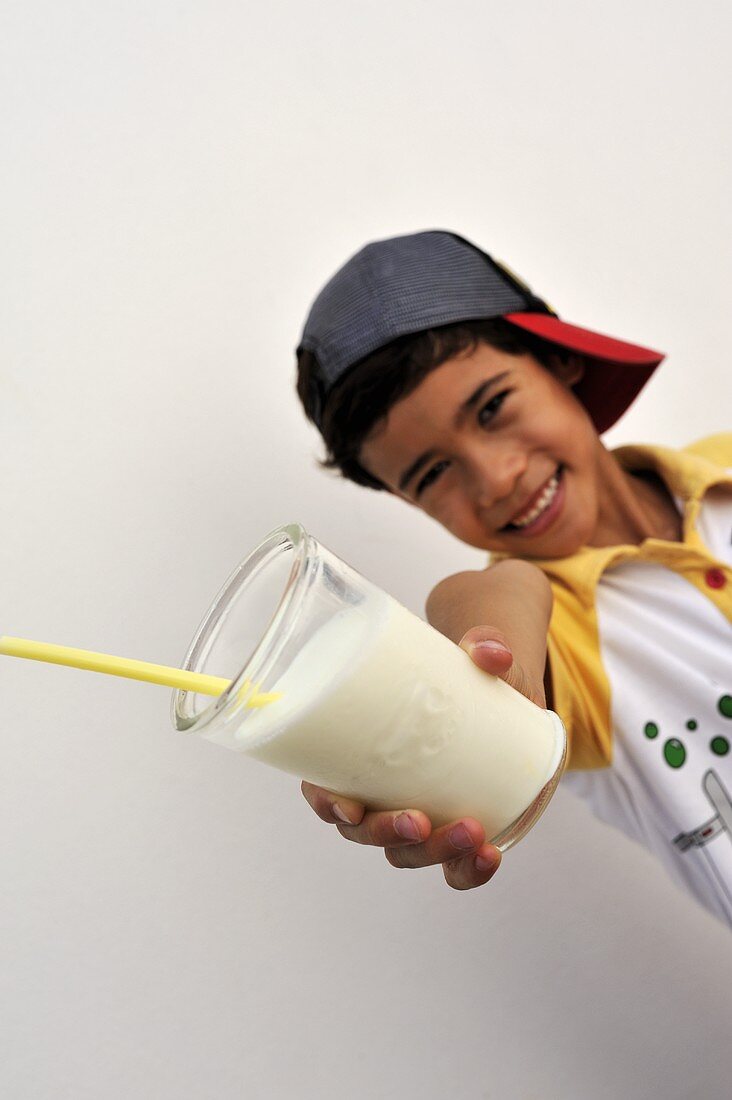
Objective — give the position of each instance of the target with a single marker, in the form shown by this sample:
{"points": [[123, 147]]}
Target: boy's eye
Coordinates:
{"points": [[491, 407], [432, 475], [485, 414]]}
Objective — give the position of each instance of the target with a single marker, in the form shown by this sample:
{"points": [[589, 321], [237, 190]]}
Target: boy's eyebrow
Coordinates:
{"points": [[482, 391]]}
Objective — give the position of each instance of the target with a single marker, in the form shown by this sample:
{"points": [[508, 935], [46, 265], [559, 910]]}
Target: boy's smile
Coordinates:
{"points": [[498, 450]]}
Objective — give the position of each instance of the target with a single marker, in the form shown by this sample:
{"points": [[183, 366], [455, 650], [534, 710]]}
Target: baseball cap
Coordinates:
{"points": [[419, 281]]}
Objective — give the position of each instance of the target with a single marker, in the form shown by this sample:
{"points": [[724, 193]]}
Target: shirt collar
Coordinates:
{"points": [[687, 474]]}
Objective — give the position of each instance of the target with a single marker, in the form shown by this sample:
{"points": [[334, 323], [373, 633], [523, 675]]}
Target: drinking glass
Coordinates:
{"points": [[367, 699]]}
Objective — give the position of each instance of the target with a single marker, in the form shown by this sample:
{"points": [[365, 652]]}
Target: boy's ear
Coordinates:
{"points": [[569, 369]]}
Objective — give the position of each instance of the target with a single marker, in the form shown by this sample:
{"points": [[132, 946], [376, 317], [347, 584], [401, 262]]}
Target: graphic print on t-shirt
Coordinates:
{"points": [[717, 744], [719, 797], [674, 753]]}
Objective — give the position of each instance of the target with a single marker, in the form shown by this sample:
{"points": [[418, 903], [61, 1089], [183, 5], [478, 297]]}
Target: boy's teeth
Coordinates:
{"points": [[543, 502]]}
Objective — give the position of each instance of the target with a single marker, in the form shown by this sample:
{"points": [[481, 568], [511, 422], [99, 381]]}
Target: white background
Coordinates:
{"points": [[179, 180]]}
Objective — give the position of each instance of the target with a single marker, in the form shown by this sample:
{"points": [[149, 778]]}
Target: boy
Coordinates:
{"points": [[435, 374]]}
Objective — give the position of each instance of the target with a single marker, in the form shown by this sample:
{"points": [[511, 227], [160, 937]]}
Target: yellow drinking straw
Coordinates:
{"points": [[134, 670]]}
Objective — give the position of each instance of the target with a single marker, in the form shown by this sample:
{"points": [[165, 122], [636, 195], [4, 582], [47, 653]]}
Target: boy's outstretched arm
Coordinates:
{"points": [[500, 616]]}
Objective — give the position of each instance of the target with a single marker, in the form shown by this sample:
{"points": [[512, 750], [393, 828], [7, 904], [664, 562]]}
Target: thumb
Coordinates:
{"points": [[490, 651]]}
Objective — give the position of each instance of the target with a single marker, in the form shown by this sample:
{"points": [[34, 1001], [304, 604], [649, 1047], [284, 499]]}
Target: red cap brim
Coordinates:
{"points": [[612, 382]]}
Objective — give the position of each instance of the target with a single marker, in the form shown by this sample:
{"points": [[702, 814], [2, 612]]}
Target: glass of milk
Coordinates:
{"points": [[373, 703]]}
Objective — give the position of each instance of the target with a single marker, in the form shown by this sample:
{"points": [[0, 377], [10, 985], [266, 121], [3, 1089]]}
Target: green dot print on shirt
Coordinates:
{"points": [[674, 751]]}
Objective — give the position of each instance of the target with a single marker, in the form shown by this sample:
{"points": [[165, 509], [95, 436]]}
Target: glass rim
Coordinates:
{"points": [[182, 715]]}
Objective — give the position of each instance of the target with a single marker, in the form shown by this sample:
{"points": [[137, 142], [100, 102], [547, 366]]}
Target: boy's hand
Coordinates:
{"points": [[408, 840], [406, 835]]}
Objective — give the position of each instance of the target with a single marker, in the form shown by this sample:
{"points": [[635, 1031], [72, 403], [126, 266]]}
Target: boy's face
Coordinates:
{"points": [[498, 450]]}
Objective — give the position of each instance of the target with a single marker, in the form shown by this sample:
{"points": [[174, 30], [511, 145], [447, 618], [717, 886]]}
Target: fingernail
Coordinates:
{"points": [[406, 827], [499, 647], [482, 864], [338, 812], [460, 838]]}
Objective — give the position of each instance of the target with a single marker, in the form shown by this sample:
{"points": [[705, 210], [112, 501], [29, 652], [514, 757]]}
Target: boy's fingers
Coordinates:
{"points": [[377, 828], [407, 838], [467, 872], [331, 807], [386, 829], [446, 843]]}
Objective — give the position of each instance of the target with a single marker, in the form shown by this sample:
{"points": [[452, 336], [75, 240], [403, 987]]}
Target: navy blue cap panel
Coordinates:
{"points": [[399, 286]]}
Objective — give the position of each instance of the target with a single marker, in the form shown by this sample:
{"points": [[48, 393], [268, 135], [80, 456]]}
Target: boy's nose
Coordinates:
{"points": [[494, 474]]}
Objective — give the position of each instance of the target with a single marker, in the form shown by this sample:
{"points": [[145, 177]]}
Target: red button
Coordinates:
{"points": [[715, 578]]}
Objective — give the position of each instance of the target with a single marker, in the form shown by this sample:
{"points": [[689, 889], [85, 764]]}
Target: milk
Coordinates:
{"points": [[382, 708]]}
